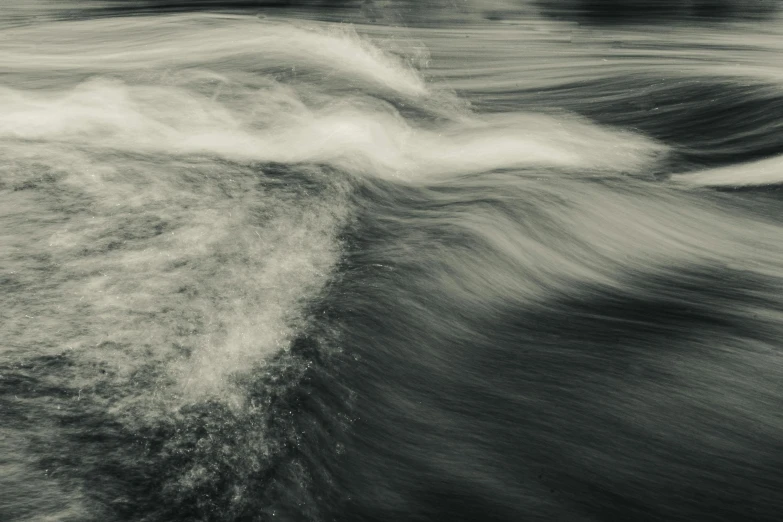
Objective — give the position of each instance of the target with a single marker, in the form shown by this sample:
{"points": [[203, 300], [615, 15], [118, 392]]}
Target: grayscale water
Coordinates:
{"points": [[391, 261]]}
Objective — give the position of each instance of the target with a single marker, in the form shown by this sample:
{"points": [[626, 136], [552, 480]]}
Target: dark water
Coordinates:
{"points": [[391, 261]]}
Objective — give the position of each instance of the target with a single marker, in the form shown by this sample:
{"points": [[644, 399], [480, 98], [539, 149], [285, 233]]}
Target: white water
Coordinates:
{"points": [[125, 123], [251, 90], [758, 173], [146, 239]]}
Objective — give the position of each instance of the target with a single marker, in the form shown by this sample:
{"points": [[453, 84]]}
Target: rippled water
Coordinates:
{"points": [[491, 261]]}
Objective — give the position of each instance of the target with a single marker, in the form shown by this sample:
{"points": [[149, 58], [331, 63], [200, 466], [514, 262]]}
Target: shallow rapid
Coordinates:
{"points": [[278, 266]]}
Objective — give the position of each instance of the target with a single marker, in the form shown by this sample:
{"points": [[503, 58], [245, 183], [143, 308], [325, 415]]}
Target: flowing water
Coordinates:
{"points": [[389, 263]]}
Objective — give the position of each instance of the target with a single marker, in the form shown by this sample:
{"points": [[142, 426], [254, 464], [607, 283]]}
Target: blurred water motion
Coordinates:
{"points": [[391, 261]]}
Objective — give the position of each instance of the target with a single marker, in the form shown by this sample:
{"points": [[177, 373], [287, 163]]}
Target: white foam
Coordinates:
{"points": [[222, 43], [202, 257], [361, 136], [758, 173]]}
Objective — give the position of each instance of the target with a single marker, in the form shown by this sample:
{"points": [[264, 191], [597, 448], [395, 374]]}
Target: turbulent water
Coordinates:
{"points": [[449, 264]]}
